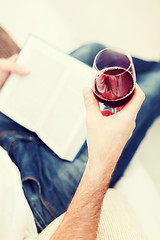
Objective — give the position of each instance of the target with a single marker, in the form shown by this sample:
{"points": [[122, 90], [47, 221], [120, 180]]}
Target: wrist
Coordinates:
{"points": [[97, 174], [102, 165]]}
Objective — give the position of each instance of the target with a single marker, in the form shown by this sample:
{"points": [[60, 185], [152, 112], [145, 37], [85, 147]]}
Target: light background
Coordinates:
{"points": [[132, 25]]}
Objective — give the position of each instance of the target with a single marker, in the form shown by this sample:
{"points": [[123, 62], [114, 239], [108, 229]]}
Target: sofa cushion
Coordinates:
{"points": [[143, 197], [116, 221]]}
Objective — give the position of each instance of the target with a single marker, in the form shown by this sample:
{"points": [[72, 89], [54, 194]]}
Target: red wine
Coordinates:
{"points": [[114, 87]]}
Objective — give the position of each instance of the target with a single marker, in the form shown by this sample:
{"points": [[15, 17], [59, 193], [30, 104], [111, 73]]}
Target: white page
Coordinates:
{"points": [[25, 98], [30, 94], [69, 116], [35, 101]]}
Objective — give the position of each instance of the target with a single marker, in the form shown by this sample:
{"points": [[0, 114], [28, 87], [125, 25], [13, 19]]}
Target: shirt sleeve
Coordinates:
{"points": [[16, 218]]}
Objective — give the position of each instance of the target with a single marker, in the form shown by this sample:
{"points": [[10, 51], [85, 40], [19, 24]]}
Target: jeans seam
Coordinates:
{"points": [[40, 217], [46, 205], [6, 131], [17, 132]]}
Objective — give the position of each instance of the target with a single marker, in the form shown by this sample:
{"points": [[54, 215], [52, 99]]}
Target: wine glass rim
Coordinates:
{"points": [[113, 48]]}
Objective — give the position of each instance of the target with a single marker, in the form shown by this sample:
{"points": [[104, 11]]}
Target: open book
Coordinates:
{"points": [[49, 100]]}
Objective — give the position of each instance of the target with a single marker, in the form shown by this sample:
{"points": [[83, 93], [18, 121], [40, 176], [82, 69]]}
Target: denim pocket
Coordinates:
{"points": [[43, 214]]}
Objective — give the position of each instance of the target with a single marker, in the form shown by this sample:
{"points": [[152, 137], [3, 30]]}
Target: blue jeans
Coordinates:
{"points": [[49, 182]]}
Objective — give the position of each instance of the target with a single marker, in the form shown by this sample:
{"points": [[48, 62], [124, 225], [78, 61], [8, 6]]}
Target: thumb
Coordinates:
{"points": [[91, 103], [8, 65]]}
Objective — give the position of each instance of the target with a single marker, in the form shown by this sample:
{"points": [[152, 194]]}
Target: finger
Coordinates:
{"points": [[91, 103], [133, 106], [10, 66], [107, 113], [13, 57]]}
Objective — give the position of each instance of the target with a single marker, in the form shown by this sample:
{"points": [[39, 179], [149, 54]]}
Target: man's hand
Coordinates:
{"points": [[107, 136], [7, 66]]}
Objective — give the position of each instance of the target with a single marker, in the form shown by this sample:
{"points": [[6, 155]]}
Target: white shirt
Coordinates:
{"points": [[16, 218]]}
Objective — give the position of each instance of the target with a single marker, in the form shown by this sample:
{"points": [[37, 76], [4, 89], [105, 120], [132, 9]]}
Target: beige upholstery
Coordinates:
{"points": [[116, 222]]}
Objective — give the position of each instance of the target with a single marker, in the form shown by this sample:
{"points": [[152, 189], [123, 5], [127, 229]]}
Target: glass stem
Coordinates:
{"points": [[114, 110]]}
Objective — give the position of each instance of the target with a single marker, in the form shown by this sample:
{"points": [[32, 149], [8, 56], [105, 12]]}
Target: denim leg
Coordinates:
{"points": [[7, 124], [49, 182], [87, 52], [143, 66]]}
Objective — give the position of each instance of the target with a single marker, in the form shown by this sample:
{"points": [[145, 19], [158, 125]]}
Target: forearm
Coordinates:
{"points": [[82, 217], [106, 138]]}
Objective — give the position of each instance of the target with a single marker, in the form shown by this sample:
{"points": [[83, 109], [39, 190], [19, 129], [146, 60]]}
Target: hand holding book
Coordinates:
{"points": [[107, 136], [7, 66], [49, 100]]}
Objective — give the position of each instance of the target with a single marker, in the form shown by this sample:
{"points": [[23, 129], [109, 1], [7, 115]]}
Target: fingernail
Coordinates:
{"points": [[87, 92]]}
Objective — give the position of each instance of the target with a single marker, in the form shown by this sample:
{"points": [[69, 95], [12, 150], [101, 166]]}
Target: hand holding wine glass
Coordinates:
{"points": [[114, 77], [107, 136]]}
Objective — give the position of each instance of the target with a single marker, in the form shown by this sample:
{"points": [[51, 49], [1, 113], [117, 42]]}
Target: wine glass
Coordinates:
{"points": [[113, 78]]}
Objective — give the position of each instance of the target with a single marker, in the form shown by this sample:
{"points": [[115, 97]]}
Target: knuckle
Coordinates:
{"points": [[129, 121]]}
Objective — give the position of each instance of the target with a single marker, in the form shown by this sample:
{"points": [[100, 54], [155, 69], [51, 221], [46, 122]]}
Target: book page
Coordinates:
{"points": [[49, 100], [25, 98], [66, 120]]}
